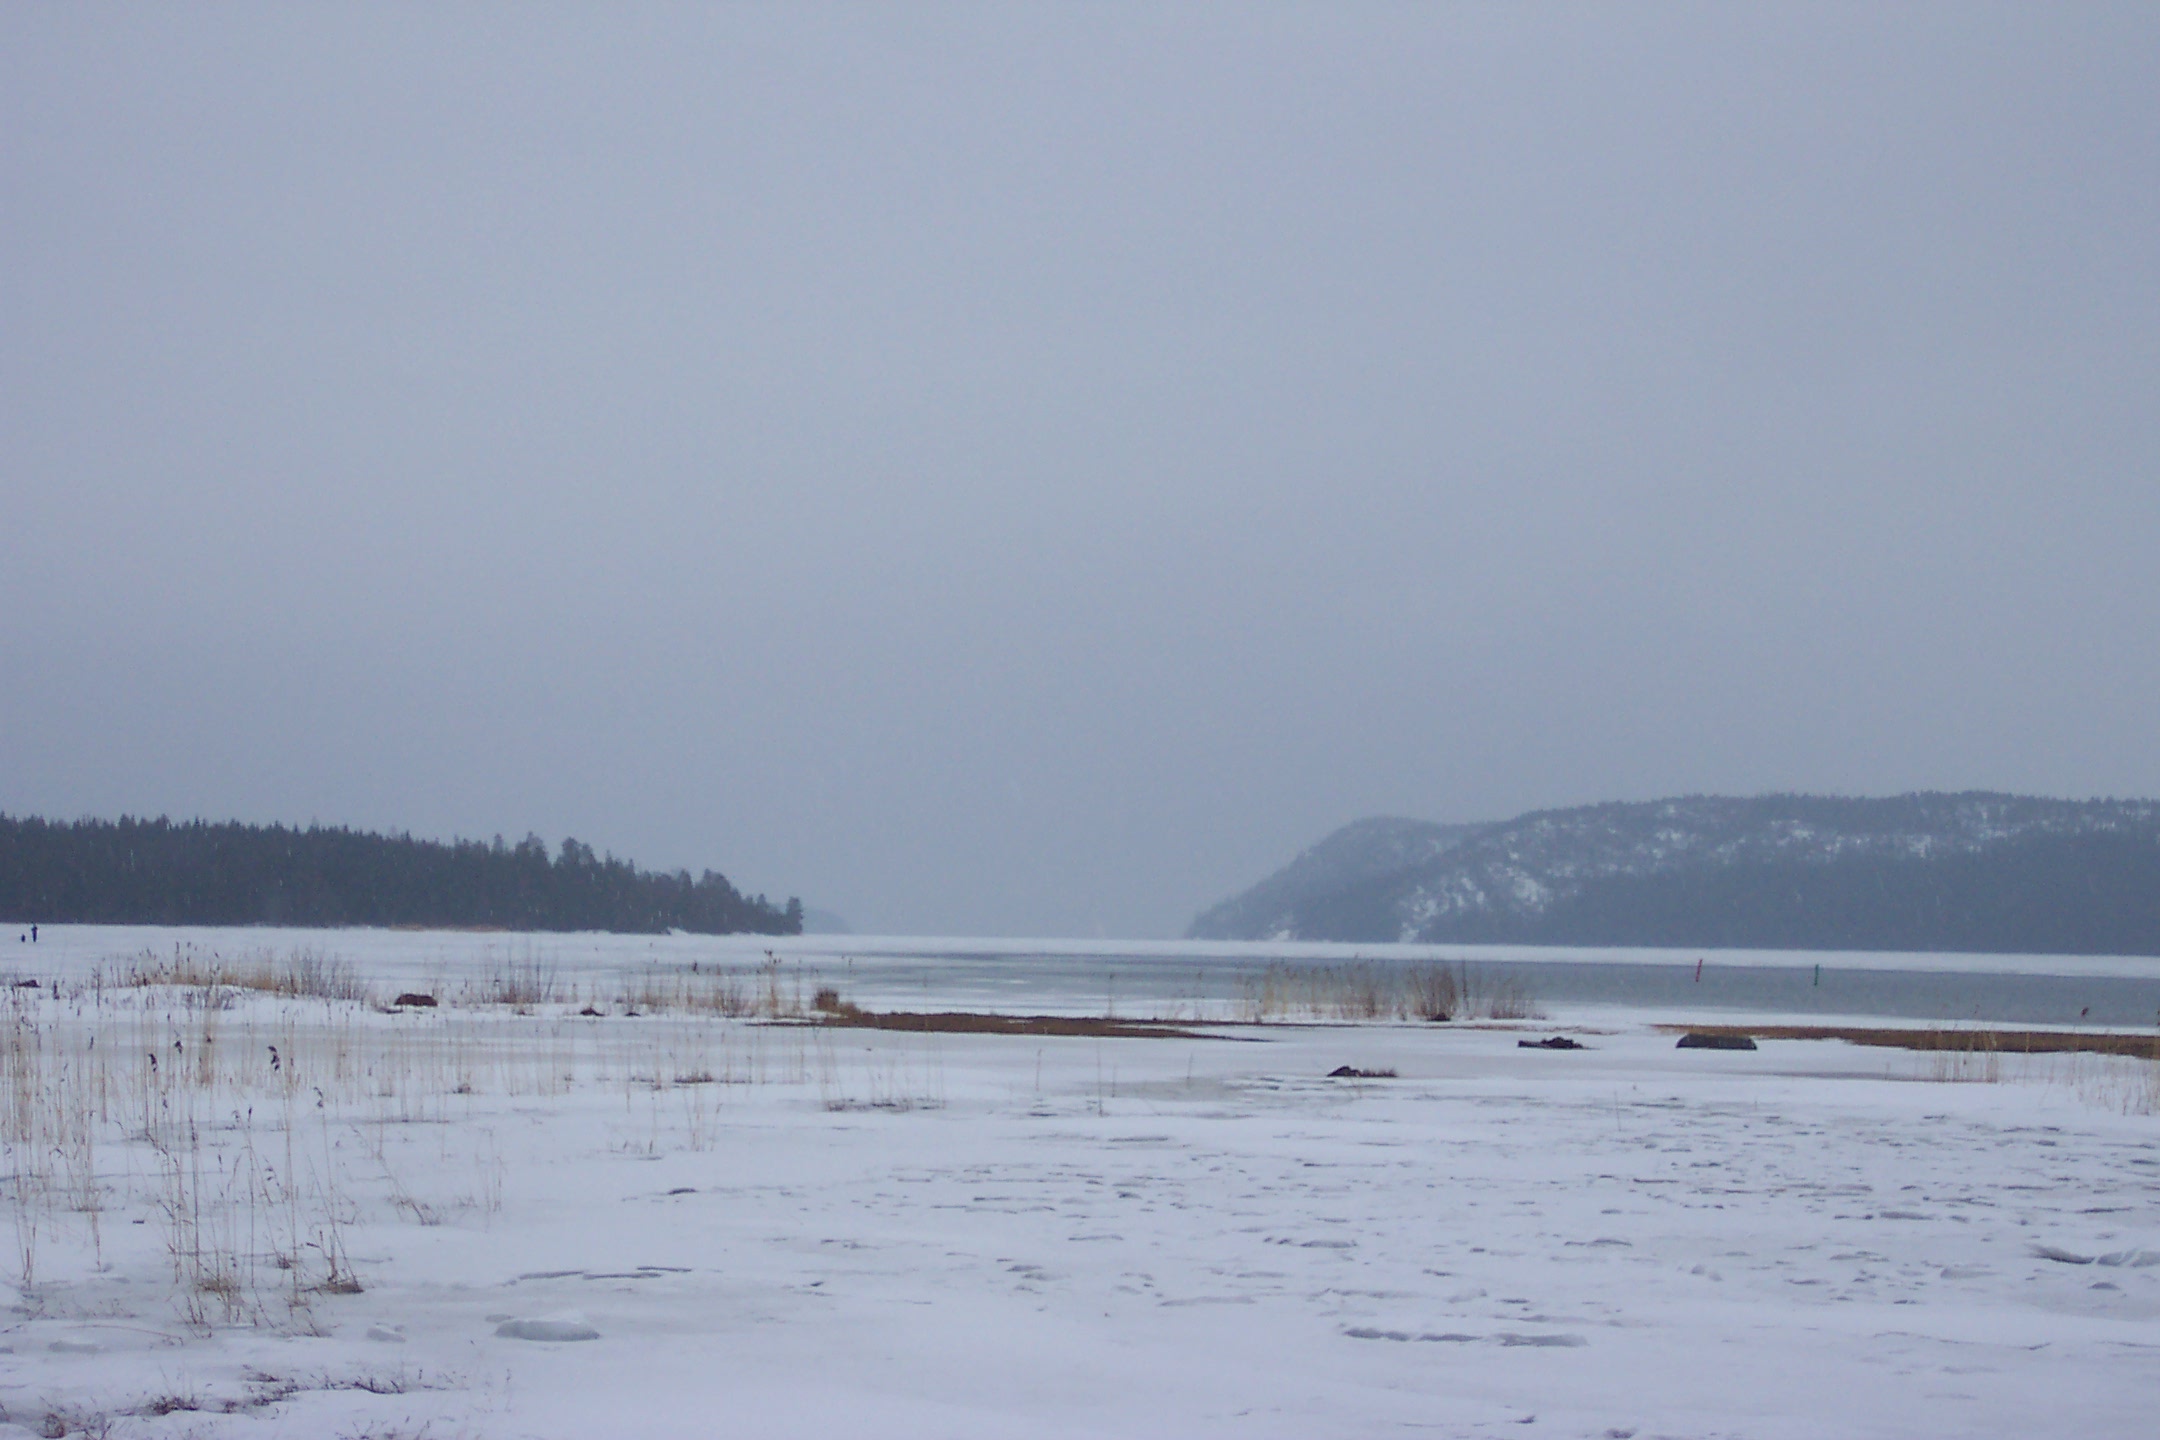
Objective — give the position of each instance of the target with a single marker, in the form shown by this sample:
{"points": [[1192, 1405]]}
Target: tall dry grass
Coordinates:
{"points": [[1362, 991], [251, 1106], [304, 973]]}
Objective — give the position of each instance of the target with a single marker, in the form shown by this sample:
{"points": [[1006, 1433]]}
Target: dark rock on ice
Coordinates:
{"points": [[1697, 1040], [1556, 1042]]}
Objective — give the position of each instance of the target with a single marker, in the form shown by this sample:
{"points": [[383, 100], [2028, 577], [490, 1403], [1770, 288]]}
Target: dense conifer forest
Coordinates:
{"points": [[2096, 894], [159, 872]]}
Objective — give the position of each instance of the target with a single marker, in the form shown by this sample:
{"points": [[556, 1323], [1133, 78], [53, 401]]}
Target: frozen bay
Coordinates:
{"points": [[779, 1229]]}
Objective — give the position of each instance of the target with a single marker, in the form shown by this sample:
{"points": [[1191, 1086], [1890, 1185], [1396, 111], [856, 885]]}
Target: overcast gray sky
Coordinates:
{"points": [[1032, 469]]}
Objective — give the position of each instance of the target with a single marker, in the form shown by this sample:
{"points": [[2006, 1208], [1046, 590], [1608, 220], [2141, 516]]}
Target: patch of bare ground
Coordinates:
{"points": [[967, 1022], [2005, 1042]]}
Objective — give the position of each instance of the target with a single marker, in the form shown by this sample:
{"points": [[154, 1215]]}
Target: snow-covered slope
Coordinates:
{"points": [[1356, 855], [1976, 869]]}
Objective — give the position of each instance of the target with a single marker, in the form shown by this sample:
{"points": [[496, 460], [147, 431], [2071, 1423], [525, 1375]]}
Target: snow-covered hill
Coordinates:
{"points": [[1359, 852], [1973, 870]]}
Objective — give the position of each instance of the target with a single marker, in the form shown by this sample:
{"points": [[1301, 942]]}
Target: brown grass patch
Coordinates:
{"points": [[2004, 1042], [965, 1022]]}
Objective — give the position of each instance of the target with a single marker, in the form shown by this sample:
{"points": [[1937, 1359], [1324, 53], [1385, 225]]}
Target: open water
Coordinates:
{"points": [[1193, 978], [1161, 980]]}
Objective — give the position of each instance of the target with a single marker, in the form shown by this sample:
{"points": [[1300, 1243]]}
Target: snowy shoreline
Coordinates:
{"points": [[779, 1229]]}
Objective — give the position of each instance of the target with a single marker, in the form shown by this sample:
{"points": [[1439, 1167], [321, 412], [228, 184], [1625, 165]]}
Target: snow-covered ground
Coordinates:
{"points": [[774, 1230]]}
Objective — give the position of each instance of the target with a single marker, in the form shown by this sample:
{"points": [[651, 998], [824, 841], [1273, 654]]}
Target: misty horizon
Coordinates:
{"points": [[824, 919], [1033, 472]]}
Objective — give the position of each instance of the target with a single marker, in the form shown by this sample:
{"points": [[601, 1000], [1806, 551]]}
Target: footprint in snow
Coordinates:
{"points": [[2135, 1259], [1505, 1337], [546, 1330]]}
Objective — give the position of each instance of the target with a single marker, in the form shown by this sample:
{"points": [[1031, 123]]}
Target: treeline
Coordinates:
{"points": [[157, 872]]}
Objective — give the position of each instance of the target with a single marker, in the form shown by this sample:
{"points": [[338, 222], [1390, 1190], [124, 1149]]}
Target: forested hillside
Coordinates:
{"points": [[158, 872], [1973, 871]]}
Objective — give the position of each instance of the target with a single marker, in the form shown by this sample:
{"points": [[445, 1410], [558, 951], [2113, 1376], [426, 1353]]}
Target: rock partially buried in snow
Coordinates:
{"points": [[1699, 1040], [385, 1334], [546, 1330]]}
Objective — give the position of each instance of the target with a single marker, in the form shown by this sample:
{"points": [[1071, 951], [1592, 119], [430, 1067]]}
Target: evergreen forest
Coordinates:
{"points": [[163, 872]]}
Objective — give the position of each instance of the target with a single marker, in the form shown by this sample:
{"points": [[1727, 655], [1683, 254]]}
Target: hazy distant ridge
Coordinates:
{"points": [[1972, 871]]}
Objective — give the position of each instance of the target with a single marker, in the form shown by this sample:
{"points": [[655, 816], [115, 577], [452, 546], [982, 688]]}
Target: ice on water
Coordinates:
{"points": [[960, 1235]]}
